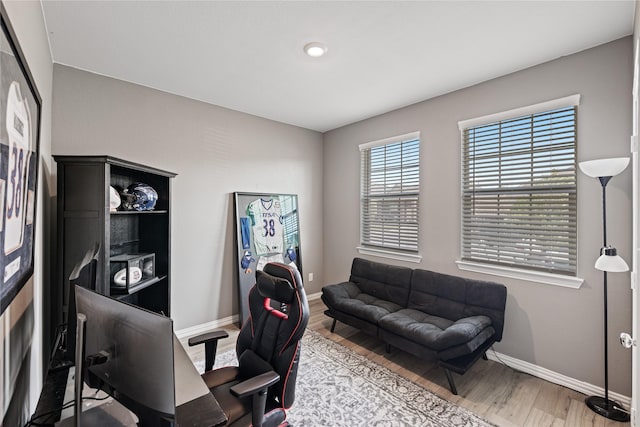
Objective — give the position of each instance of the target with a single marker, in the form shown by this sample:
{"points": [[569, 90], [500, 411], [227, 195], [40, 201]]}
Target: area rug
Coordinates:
{"points": [[338, 387]]}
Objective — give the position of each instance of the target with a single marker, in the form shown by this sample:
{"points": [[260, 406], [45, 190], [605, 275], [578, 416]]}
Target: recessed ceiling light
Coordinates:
{"points": [[315, 49]]}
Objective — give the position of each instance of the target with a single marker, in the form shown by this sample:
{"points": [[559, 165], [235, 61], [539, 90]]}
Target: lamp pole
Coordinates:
{"points": [[603, 181], [608, 261], [603, 406]]}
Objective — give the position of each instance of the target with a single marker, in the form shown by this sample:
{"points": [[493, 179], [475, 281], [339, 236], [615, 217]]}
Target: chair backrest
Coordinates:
{"points": [[270, 338]]}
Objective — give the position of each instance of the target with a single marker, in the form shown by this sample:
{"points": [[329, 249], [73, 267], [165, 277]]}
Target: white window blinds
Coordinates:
{"points": [[519, 191], [390, 190]]}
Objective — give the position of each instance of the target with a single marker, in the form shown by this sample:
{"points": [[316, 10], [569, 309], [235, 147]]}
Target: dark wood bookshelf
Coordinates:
{"points": [[85, 218]]}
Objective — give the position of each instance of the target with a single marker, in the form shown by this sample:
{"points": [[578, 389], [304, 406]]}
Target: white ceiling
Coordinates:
{"points": [[382, 55]]}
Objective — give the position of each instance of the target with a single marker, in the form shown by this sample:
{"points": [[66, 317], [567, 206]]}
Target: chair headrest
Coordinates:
{"points": [[273, 287]]}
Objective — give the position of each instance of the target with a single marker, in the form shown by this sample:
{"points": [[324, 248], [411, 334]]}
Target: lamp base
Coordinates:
{"points": [[607, 408]]}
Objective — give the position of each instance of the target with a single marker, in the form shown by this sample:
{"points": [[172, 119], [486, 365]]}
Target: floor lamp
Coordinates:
{"points": [[609, 261]]}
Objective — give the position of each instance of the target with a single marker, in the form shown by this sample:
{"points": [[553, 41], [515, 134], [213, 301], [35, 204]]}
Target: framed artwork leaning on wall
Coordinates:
{"points": [[267, 230]]}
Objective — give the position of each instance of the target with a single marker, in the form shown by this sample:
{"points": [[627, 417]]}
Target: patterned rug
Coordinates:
{"points": [[338, 387]]}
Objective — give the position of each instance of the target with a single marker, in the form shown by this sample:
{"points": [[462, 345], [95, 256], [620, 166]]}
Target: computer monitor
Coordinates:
{"points": [[129, 354]]}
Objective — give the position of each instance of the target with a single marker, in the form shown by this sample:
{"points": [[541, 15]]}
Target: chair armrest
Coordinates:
{"points": [[210, 341], [209, 336], [254, 385], [257, 388]]}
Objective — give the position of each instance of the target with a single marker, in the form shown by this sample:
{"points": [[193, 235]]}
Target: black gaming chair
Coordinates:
{"points": [[262, 387]]}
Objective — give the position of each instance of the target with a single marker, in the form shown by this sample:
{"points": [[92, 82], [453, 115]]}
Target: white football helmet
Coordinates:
{"points": [[114, 199]]}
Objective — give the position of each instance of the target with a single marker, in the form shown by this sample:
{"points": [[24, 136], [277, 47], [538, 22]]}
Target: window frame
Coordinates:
{"points": [[517, 272], [368, 248]]}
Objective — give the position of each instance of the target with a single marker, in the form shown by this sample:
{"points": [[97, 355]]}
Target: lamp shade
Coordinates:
{"points": [[604, 167], [610, 261]]}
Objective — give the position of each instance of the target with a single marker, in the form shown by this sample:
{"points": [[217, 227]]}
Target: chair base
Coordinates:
{"points": [[607, 408]]}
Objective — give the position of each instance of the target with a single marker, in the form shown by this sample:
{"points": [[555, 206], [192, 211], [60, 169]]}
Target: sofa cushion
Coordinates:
{"points": [[383, 281], [434, 332], [347, 297], [455, 297]]}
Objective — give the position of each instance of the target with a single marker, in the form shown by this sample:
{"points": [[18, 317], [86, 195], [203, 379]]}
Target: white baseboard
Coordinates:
{"points": [[215, 324], [313, 297], [556, 378], [206, 327]]}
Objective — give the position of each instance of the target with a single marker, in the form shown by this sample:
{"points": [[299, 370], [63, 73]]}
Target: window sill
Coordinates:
{"points": [[385, 253], [517, 273]]}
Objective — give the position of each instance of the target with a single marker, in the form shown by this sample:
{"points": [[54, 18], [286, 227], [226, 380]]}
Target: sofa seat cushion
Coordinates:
{"points": [[347, 297], [436, 333], [455, 297]]}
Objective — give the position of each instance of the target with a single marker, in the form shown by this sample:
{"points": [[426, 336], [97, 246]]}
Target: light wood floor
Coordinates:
{"points": [[489, 389]]}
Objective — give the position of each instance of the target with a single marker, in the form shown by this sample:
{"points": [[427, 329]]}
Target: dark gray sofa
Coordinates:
{"points": [[421, 312]]}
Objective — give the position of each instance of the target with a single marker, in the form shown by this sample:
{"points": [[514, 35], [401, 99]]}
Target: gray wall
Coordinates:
{"points": [[557, 328], [214, 151], [28, 23]]}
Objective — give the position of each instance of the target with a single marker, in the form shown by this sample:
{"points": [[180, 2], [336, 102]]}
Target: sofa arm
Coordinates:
{"points": [[340, 291], [462, 331]]}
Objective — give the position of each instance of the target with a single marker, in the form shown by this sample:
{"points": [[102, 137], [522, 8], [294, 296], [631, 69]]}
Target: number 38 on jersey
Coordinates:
{"points": [[18, 123]]}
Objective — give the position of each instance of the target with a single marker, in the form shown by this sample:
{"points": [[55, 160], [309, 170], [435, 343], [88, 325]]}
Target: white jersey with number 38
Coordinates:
{"points": [[19, 130], [267, 231]]}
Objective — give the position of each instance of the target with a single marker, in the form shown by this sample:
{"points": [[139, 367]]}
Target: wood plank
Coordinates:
{"points": [[521, 396], [555, 400], [538, 418], [579, 415]]}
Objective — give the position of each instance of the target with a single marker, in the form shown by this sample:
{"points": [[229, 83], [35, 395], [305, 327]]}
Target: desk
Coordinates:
{"points": [[195, 405]]}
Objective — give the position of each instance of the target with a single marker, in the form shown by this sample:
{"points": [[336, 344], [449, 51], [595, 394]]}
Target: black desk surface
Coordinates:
{"points": [[195, 405]]}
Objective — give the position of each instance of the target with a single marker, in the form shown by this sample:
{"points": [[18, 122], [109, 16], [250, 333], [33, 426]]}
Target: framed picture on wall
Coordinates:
{"points": [[20, 104], [267, 230]]}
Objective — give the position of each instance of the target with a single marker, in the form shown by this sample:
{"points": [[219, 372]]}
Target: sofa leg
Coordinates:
{"points": [[484, 356], [333, 325], [452, 385], [388, 348]]}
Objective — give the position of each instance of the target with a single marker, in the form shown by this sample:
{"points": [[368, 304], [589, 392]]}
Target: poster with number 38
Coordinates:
{"points": [[19, 134]]}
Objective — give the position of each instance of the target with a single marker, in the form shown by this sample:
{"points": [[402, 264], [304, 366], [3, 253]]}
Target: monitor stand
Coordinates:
{"points": [[109, 414]]}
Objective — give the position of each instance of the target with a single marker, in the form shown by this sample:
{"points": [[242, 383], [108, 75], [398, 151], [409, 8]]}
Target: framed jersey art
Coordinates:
{"points": [[266, 231], [19, 138]]}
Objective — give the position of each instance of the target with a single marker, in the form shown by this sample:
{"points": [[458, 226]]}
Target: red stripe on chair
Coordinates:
{"points": [[271, 310]]}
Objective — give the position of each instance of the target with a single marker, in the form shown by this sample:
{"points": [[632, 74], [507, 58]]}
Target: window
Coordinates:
{"points": [[519, 188], [289, 216], [390, 190]]}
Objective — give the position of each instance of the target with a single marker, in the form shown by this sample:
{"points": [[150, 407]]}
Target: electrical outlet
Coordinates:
{"points": [[311, 277]]}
